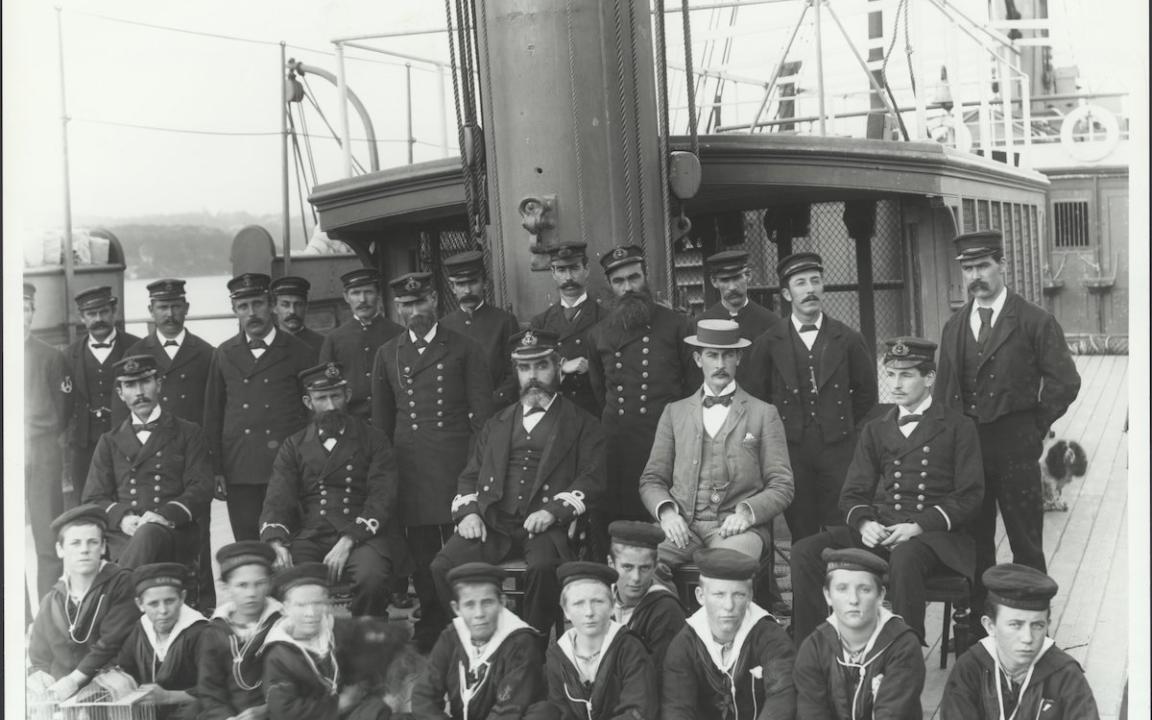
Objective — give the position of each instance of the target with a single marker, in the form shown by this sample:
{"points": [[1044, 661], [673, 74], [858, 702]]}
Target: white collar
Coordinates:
{"points": [[698, 621], [997, 303], [267, 338], [506, 622], [989, 644], [564, 301], [819, 322], [427, 338], [567, 643], [924, 405], [153, 417], [271, 606], [547, 405], [322, 644], [728, 390], [188, 617], [735, 311], [179, 337], [111, 339], [885, 616]]}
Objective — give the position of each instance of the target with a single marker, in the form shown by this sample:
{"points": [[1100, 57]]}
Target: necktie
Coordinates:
{"points": [[808, 328], [173, 343], [420, 343], [145, 427], [909, 418], [724, 400], [257, 344], [985, 324], [532, 410], [101, 345]]}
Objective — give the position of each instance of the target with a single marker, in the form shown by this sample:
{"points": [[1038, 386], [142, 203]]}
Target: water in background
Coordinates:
{"points": [[206, 296]]}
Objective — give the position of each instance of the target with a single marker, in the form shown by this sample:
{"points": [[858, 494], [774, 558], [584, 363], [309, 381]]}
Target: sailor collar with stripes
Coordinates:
{"points": [[188, 617], [698, 621]]}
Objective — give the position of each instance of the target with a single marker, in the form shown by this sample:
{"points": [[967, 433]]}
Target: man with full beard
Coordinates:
{"points": [[332, 495], [431, 393], [638, 363], [1005, 364], [490, 327], [251, 403], [536, 467], [95, 408], [570, 318], [290, 306]]}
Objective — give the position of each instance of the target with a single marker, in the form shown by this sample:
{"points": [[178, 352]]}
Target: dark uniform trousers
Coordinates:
{"points": [[368, 570], [1015, 385], [44, 420], [182, 394]]}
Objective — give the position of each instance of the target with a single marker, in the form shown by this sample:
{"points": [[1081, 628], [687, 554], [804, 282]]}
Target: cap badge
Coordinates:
{"points": [[899, 349], [131, 366], [564, 252], [412, 285], [529, 340], [619, 253], [332, 372]]}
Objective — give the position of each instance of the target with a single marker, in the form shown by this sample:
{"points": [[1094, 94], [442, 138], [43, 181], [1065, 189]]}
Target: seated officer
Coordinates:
{"points": [[164, 647], [598, 668], [731, 659], [84, 618], [487, 663], [647, 608], [332, 494], [914, 483], [1017, 671], [150, 473], [535, 466], [863, 662]]}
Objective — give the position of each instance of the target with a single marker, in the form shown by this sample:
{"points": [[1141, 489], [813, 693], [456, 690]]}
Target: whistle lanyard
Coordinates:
{"points": [[1019, 698]]}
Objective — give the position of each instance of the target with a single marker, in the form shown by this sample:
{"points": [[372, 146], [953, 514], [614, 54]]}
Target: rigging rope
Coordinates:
{"points": [[665, 129], [636, 135], [465, 165], [690, 84], [574, 110], [621, 98]]}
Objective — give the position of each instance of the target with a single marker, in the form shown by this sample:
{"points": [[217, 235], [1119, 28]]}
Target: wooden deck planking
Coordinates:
{"points": [[1106, 660]]}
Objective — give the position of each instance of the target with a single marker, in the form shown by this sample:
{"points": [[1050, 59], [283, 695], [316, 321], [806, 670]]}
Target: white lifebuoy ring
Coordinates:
{"points": [[950, 132], [1093, 149]]}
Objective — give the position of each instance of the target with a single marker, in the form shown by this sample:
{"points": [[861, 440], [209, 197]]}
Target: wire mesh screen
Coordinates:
{"points": [[436, 246]]}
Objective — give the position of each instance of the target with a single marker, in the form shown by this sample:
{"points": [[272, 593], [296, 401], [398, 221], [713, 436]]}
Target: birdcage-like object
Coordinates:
{"points": [[112, 695]]}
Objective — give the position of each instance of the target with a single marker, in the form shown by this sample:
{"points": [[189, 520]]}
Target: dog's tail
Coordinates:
{"points": [[1054, 460], [1079, 464]]}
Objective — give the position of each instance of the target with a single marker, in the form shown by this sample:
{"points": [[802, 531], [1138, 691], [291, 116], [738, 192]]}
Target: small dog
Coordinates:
{"points": [[1063, 461]]}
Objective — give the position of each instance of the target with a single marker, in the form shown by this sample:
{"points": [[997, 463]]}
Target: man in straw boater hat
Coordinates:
{"points": [[332, 495], [571, 317], [537, 466], [150, 473], [83, 620], [252, 402], [487, 662], [1017, 671], [646, 607], [290, 307], [163, 649], [863, 661], [597, 668], [911, 492], [718, 472], [231, 669], [638, 363], [90, 383], [490, 327], [1005, 364], [431, 393], [732, 660], [820, 375]]}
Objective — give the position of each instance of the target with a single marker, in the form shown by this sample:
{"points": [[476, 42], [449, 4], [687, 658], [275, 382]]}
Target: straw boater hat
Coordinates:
{"points": [[719, 334]]}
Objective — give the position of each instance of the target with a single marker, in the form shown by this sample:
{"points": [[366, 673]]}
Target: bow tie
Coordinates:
{"points": [[257, 344], [420, 343], [101, 345], [808, 328], [910, 418], [173, 343], [532, 410], [710, 400], [145, 427]]}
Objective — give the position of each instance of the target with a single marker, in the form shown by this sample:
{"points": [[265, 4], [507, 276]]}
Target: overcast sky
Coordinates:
{"points": [[124, 73]]}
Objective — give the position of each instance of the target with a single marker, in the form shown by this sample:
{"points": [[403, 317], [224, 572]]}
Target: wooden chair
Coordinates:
{"points": [[953, 590], [514, 589]]}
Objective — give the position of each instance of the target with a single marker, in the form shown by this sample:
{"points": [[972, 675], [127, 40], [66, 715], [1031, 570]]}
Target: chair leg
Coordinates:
{"points": [[944, 636]]}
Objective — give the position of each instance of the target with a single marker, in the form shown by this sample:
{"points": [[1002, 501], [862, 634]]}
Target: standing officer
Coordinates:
{"points": [[821, 376], [252, 402], [354, 344], [90, 361], [1005, 364], [150, 473], [729, 274], [45, 414], [490, 327], [570, 318], [183, 359], [339, 476], [290, 306], [638, 364], [431, 393]]}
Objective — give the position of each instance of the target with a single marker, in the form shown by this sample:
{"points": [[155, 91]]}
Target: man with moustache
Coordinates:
{"points": [[45, 416], [150, 474], [729, 273], [290, 306], [95, 408], [570, 318], [490, 327], [718, 473], [638, 363], [537, 466], [252, 402], [1005, 364], [821, 376], [431, 393], [182, 359], [354, 344], [333, 494]]}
